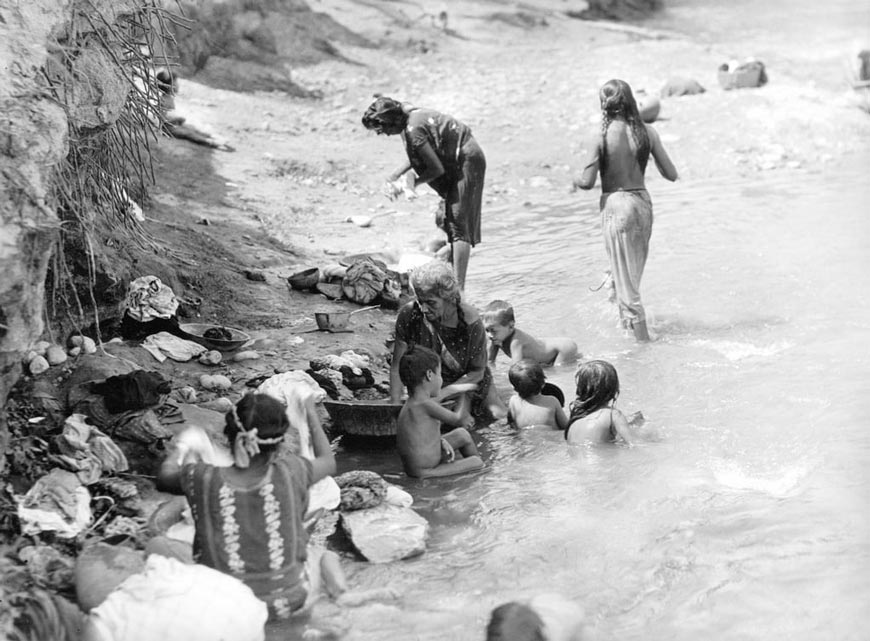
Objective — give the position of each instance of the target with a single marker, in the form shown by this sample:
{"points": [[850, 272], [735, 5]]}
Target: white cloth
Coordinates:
{"points": [[300, 393], [174, 601], [163, 344]]}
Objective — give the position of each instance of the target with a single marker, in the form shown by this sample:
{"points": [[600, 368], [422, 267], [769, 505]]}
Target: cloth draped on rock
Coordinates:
{"points": [[461, 185], [626, 222], [254, 533], [461, 348]]}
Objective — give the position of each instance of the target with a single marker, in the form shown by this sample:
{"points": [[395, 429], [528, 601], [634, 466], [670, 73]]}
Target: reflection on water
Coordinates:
{"points": [[744, 515]]}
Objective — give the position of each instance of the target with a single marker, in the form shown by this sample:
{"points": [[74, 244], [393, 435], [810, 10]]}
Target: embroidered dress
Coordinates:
{"points": [[254, 533]]}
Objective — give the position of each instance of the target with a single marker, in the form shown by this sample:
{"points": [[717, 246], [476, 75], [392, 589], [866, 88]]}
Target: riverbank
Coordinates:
{"points": [[302, 167]]}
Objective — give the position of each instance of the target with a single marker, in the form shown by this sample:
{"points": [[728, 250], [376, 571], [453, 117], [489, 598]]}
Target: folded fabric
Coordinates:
{"points": [[163, 344]]}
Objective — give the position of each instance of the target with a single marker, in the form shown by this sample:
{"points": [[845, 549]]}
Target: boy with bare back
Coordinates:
{"points": [[424, 452], [500, 326]]}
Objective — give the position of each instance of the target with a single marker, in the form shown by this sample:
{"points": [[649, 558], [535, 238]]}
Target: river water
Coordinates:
{"points": [[744, 513]]}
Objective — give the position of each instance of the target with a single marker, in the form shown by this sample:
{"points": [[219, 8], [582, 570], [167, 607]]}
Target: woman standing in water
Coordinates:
{"points": [[620, 152], [443, 154]]}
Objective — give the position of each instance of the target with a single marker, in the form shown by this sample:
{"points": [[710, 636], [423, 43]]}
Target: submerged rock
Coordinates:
{"points": [[386, 533]]}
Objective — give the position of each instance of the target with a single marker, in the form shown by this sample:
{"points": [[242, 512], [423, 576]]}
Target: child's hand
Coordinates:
{"points": [[447, 453], [456, 388], [468, 422]]}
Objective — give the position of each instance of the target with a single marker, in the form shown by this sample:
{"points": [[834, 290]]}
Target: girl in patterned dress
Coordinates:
{"points": [[248, 516]]}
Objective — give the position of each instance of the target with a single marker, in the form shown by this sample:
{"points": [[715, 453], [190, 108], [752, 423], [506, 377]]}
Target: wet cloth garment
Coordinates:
{"points": [[148, 298], [626, 222], [134, 391], [461, 185], [254, 533], [461, 348]]}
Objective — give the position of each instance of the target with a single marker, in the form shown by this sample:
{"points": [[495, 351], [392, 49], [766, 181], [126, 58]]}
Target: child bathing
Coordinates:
{"points": [[592, 417], [531, 405], [500, 326], [424, 452]]}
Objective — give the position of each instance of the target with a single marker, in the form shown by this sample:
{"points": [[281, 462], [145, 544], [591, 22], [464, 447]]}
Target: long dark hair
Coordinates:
{"points": [[618, 103], [597, 386], [265, 413]]}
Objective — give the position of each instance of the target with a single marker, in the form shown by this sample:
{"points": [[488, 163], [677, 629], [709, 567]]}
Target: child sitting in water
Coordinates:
{"points": [[531, 405], [424, 452], [500, 326], [592, 417]]}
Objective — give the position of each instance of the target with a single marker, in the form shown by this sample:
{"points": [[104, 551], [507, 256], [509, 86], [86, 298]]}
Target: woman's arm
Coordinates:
{"points": [[590, 166], [169, 473], [476, 366], [400, 171], [433, 167], [663, 161], [399, 349], [324, 460]]}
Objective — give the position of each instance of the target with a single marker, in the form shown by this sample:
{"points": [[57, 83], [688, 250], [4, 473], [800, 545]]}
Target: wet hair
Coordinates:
{"points": [[261, 411], [527, 377], [597, 386], [514, 622], [618, 103], [385, 114], [501, 311], [415, 363]]}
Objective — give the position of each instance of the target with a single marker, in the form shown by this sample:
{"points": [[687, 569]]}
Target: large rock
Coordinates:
{"points": [[386, 533]]}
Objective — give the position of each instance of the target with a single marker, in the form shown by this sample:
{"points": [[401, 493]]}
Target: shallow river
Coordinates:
{"points": [[744, 516], [745, 513]]}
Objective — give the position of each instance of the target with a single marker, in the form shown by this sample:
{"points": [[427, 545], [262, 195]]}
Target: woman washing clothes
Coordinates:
{"points": [[439, 320], [443, 154], [619, 152]]}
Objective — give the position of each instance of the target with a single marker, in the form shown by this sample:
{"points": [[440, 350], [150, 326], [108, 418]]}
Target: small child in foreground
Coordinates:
{"points": [[531, 405], [424, 452], [592, 417], [500, 324], [546, 617]]}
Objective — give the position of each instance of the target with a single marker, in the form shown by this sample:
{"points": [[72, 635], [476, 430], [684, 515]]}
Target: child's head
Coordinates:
{"points": [[597, 386], [617, 99], [498, 321], [420, 365], [256, 424], [527, 377], [514, 622]]}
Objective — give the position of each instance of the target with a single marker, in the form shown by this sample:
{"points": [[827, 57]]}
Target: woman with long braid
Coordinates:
{"points": [[620, 153]]}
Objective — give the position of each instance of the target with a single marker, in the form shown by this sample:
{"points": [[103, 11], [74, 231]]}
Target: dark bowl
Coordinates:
{"points": [[306, 279], [364, 418], [195, 332]]}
